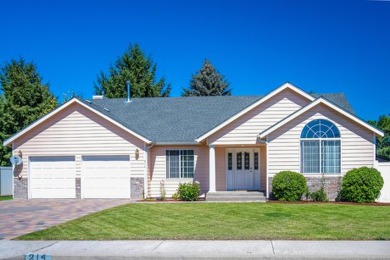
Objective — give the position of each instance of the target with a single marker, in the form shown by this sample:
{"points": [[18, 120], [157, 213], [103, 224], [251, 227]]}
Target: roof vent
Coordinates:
{"points": [[97, 97], [107, 109], [128, 91], [88, 101]]}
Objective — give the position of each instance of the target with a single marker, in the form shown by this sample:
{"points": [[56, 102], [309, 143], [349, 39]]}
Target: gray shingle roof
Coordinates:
{"points": [[338, 99], [180, 119]]}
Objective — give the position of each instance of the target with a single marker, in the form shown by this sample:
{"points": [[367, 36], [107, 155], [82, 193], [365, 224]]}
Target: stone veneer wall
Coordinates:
{"points": [[137, 188], [78, 188], [21, 188], [332, 185]]}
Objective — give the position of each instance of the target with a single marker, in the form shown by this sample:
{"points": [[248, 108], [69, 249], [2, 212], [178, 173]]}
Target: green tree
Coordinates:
{"points": [[383, 143], [133, 65], [207, 82], [24, 99]]}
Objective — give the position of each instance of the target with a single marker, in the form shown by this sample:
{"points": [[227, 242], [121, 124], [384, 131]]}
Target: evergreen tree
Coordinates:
{"points": [[133, 65], [207, 82], [383, 143], [24, 99]]}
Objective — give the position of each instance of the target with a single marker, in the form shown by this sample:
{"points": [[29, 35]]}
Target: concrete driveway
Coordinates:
{"points": [[18, 217]]}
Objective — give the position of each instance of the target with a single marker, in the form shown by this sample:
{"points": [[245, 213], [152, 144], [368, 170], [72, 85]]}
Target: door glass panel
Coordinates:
{"points": [[230, 161], [256, 160], [239, 161], [246, 161]]}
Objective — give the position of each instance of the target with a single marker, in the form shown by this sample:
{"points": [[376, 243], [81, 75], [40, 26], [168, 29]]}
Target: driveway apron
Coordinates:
{"points": [[19, 217]]}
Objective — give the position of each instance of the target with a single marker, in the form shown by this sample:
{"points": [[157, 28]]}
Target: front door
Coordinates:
{"points": [[243, 169]]}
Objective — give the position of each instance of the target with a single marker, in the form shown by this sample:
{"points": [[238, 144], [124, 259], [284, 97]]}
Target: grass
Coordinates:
{"points": [[5, 197], [226, 221]]}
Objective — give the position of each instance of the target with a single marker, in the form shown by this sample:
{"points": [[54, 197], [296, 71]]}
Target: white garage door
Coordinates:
{"points": [[105, 177], [52, 177]]}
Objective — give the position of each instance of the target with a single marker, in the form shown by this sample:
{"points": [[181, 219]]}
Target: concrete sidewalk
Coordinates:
{"points": [[188, 249]]}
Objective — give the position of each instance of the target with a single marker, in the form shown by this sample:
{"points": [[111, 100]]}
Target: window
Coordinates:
{"points": [[246, 161], [239, 161], [230, 161], [320, 147], [256, 160], [180, 163]]}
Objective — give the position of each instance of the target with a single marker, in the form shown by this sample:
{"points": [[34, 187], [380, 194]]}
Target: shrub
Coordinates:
{"points": [[361, 185], [188, 191], [319, 195], [163, 192], [175, 196], [289, 186]]}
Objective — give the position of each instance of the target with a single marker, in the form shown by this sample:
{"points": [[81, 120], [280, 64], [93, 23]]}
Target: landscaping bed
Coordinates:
{"points": [[6, 197], [303, 221]]}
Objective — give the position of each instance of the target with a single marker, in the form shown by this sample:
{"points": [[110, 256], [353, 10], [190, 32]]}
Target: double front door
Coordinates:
{"points": [[243, 168]]}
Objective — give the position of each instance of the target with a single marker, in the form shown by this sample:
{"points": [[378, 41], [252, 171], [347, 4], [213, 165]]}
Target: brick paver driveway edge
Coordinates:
{"points": [[19, 217]]}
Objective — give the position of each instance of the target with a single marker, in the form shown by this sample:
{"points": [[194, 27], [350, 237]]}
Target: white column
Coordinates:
{"points": [[212, 168]]}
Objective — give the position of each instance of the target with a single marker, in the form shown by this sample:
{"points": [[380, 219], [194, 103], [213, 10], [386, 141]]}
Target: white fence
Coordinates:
{"points": [[5, 181], [384, 168]]}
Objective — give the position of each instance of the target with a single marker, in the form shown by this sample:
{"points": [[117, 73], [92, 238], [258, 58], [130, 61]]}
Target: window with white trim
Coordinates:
{"points": [[180, 163], [320, 147]]}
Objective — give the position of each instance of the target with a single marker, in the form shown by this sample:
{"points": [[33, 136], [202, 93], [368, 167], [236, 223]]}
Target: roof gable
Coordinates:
{"points": [[320, 100], [262, 100], [63, 107]]}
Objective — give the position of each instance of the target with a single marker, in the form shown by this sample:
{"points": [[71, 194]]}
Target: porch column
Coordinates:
{"points": [[212, 168]]}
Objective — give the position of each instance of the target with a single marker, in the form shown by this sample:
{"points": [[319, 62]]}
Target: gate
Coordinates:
{"points": [[5, 181]]}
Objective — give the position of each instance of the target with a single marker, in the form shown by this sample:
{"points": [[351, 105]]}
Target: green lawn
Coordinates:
{"points": [[226, 221], [5, 197]]}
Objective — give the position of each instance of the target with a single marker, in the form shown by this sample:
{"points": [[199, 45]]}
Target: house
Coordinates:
{"points": [[112, 148]]}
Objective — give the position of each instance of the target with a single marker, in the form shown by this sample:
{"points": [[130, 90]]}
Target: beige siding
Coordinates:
{"points": [[76, 131], [357, 148], [158, 169], [245, 129]]}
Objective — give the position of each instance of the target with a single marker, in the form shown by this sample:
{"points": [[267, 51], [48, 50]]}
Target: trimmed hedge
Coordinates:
{"points": [[361, 185], [289, 186]]}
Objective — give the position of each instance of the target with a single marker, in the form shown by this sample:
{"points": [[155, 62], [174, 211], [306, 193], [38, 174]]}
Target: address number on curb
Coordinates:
{"points": [[37, 257]]}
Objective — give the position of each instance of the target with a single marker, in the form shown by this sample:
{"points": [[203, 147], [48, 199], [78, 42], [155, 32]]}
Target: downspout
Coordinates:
{"points": [[266, 164], [266, 168], [13, 174], [374, 145]]}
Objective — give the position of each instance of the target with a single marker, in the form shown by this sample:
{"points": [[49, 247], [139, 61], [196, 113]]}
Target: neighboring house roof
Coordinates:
{"points": [[320, 100], [179, 120]]}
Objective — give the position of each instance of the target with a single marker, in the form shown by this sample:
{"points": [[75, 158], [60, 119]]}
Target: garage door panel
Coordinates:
{"points": [[52, 177], [106, 176]]}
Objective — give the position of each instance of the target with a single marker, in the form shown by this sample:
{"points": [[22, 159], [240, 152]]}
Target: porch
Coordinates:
{"points": [[236, 196], [237, 173]]}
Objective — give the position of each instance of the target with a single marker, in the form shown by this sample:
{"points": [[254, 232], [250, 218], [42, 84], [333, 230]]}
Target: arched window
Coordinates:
{"points": [[320, 147]]}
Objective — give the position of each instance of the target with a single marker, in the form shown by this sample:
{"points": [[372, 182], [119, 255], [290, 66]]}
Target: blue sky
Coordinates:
{"points": [[320, 46]]}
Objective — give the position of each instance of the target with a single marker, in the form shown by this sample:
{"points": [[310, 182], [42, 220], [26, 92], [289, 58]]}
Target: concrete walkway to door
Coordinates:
{"points": [[19, 217]]}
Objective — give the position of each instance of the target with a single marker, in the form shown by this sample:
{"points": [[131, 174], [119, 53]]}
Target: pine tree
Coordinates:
{"points": [[383, 143], [24, 99], [133, 65], [207, 82]]}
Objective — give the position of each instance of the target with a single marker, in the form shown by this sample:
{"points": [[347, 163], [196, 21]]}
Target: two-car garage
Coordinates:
{"points": [[101, 177]]}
